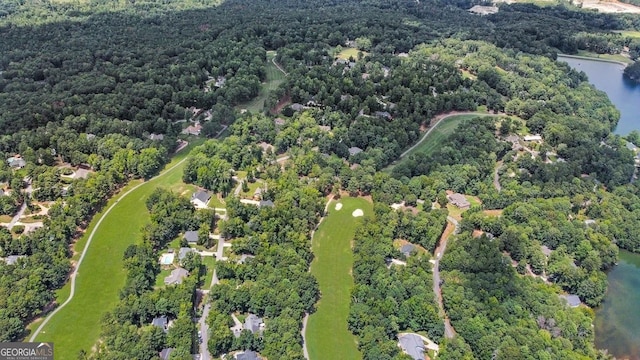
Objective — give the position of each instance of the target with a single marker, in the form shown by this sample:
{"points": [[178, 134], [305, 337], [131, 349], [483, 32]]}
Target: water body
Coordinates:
{"points": [[624, 93], [617, 323]]}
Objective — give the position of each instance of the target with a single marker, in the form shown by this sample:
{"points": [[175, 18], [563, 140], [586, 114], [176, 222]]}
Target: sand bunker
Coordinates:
{"points": [[357, 213], [338, 206]]}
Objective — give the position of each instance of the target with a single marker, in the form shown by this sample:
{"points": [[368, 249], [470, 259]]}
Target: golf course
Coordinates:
{"points": [[327, 334], [101, 275]]}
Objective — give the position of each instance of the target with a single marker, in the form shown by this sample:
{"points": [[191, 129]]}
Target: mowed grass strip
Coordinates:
{"points": [[275, 77], [327, 334], [101, 274]]}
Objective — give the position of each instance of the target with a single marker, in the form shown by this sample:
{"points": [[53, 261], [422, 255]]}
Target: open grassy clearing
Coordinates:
{"points": [[275, 77], [350, 53], [628, 33], [438, 135], [327, 334], [101, 274]]}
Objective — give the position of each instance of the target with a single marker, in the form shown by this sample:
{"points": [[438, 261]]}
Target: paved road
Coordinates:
{"points": [[273, 60], [449, 332], [86, 247], [496, 176], [220, 250], [204, 330]]}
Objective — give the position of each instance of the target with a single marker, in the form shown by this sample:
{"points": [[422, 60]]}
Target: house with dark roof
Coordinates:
{"points": [[412, 345], [459, 200], [354, 150], [161, 322], [191, 236], [200, 199], [571, 300], [246, 355], [254, 324], [383, 114], [176, 277]]}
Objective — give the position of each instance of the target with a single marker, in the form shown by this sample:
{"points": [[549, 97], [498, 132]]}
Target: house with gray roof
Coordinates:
{"points": [[406, 249], [253, 323], [156, 137], [247, 355], [545, 250], [297, 107], [176, 277], [16, 162], [165, 353], [13, 259], [191, 237], [459, 200], [266, 203], [572, 300], [161, 322], [184, 251], [354, 150], [412, 345], [200, 198]]}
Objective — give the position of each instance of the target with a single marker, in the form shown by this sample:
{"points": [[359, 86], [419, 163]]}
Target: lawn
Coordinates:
{"points": [[209, 262], [437, 136], [629, 33], [275, 77], [614, 57], [101, 274], [327, 334], [348, 53], [217, 201]]}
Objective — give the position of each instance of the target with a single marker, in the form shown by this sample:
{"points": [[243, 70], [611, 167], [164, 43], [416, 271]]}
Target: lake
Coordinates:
{"points": [[617, 323], [624, 93]]}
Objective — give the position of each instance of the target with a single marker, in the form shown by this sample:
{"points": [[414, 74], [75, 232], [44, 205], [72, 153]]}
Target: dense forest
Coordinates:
{"points": [[88, 84]]}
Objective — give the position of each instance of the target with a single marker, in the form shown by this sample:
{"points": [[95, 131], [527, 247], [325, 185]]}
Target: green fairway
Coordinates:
{"points": [[101, 274], [275, 77], [348, 53], [327, 335], [435, 139]]}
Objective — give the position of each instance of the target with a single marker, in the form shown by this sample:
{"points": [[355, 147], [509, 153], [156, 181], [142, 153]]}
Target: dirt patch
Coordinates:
{"points": [[609, 6], [284, 101], [495, 213]]}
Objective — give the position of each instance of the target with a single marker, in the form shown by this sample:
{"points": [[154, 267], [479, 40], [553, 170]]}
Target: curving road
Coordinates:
{"points": [[86, 248]]}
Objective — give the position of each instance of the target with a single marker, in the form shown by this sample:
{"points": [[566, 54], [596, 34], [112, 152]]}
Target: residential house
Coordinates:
{"points": [[200, 199], [194, 129], [297, 107], [247, 355], [459, 200], [176, 277], [545, 250], [257, 195], [90, 136], [244, 257], [13, 259], [532, 138], [266, 203], [254, 324], [406, 249], [184, 251], [279, 121], [383, 114], [354, 150], [483, 10], [161, 322], [412, 345], [165, 353], [572, 300], [16, 162], [191, 236], [266, 147], [156, 137]]}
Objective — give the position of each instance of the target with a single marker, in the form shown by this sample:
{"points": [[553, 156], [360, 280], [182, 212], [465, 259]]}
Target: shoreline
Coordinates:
{"points": [[624, 65]]}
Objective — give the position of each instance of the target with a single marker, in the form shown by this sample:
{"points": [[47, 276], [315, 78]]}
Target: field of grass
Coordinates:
{"points": [[209, 262], [350, 52], [327, 334], [628, 33], [101, 274], [616, 57], [437, 136], [216, 202], [5, 218], [275, 77]]}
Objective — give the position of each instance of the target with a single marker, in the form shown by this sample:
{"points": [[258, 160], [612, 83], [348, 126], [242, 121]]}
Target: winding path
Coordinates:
{"points": [[86, 248], [449, 332], [273, 60]]}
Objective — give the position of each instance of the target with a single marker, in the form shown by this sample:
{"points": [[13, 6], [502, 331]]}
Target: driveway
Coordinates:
{"points": [[204, 330]]}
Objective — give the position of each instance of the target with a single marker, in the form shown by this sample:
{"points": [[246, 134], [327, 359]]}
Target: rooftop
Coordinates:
{"points": [[458, 200], [413, 345], [406, 249], [201, 195], [176, 276], [572, 300], [183, 252], [354, 150], [191, 236]]}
